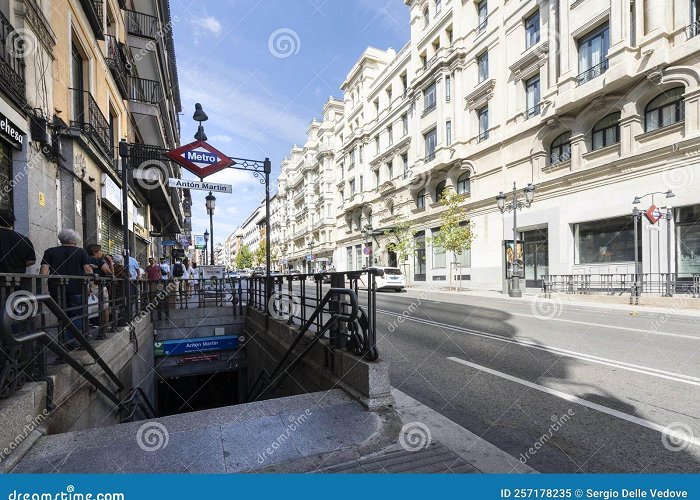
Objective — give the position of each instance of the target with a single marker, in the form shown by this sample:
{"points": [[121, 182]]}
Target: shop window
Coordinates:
{"points": [[688, 240], [604, 241], [6, 202]]}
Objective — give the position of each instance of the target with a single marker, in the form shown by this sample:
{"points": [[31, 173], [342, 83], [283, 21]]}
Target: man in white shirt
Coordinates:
{"points": [[164, 270]]}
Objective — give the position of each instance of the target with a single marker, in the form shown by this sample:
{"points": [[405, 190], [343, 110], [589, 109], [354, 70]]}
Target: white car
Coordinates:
{"points": [[390, 278]]}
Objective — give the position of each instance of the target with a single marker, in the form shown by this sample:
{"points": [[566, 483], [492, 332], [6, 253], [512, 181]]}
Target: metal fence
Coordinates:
{"points": [[667, 284]]}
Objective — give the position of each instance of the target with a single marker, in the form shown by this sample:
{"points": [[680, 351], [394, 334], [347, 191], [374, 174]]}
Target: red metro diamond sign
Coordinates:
{"points": [[653, 214], [200, 158]]}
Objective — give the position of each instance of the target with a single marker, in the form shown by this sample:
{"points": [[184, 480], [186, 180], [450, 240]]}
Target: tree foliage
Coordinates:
{"points": [[259, 257], [402, 240], [456, 233], [244, 258]]}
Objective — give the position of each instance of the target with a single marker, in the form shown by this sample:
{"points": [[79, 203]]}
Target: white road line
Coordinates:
{"points": [[568, 397], [626, 328], [654, 372]]}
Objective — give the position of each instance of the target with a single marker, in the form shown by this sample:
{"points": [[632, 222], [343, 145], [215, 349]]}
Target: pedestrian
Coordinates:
{"points": [[68, 260], [164, 270], [134, 268], [189, 276], [178, 274], [152, 270], [103, 267], [16, 250], [195, 276]]}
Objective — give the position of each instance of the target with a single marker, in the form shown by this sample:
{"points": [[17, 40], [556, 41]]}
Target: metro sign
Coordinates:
{"points": [[200, 158], [653, 214]]}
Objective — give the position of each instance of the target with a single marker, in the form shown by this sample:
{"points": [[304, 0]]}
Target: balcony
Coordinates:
{"points": [[143, 90], [115, 57], [143, 25], [533, 111], [592, 73], [693, 30], [483, 136], [94, 10], [11, 67], [429, 109], [88, 118]]}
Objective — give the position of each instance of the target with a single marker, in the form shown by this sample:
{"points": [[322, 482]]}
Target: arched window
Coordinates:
{"points": [[606, 131], [440, 190], [463, 184], [560, 151], [666, 109], [420, 199]]}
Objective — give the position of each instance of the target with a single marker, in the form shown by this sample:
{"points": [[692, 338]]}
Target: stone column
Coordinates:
{"points": [[692, 112], [630, 127]]}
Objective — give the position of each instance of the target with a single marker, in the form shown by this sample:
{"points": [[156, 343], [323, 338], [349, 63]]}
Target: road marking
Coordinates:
{"points": [[654, 372], [574, 399], [626, 328]]}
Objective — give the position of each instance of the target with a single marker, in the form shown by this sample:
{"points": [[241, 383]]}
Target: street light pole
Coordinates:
{"points": [[311, 254], [206, 246], [211, 205]]}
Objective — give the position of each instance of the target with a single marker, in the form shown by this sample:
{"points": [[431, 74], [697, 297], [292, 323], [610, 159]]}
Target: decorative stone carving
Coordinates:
{"points": [[480, 96]]}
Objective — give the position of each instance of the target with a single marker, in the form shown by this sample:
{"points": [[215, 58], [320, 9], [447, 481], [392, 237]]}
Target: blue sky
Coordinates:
{"points": [[262, 69]]}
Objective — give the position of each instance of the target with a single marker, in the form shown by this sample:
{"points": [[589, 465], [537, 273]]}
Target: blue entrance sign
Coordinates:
{"points": [[196, 345], [201, 157]]}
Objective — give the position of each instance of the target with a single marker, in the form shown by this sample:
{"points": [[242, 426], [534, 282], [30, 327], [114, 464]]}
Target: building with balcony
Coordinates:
{"points": [[107, 87], [593, 101]]}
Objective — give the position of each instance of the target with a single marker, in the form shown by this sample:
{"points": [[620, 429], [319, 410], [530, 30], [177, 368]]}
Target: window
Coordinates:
{"points": [[448, 132], [342, 196], [390, 170], [362, 183], [426, 17], [483, 12], [440, 190], [532, 30], [464, 258], [430, 98], [688, 238], [353, 154], [601, 241], [482, 63], [560, 151], [377, 180], [404, 159], [532, 97], [438, 6], [376, 107], [389, 96], [430, 144], [665, 110], [593, 55], [448, 88], [404, 123], [606, 131], [352, 188], [483, 114], [439, 260], [404, 83], [419, 257], [376, 145], [463, 184], [6, 202], [450, 36], [420, 199], [78, 84], [390, 133]]}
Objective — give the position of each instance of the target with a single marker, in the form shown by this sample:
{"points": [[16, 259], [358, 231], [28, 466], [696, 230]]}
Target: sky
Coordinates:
{"points": [[262, 70]]}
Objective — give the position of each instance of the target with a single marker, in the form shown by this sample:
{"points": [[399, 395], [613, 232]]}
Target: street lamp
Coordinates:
{"points": [[211, 205], [200, 116], [311, 254], [514, 206], [206, 244]]}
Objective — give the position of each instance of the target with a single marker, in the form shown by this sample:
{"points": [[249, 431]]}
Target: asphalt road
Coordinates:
{"points": [[561, 387]]}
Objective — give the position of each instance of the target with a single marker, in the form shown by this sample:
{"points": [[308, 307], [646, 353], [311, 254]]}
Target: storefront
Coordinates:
{"points": [[11, 139], [536, 255], [688, 241]]}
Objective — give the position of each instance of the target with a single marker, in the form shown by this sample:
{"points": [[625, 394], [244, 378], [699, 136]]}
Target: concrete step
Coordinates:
{"points": [[299, 433]]}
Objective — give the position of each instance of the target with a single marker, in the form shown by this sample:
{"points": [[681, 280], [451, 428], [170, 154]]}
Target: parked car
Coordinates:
{"points": [[390, 278]]}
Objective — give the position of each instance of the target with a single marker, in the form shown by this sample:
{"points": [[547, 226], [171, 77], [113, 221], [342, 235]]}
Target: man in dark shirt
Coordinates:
{"points": [[68, 260], [16, 250]]}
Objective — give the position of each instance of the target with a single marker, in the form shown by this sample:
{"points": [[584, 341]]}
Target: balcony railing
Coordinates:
{"points": [[140, 24], [592, 73], [533, 111], [429, 157], [11, 65], [429, 108], [143, 90], [94, 10], [90, 120], [693, 30], [482, 27], [116, 61], [483, 136]]}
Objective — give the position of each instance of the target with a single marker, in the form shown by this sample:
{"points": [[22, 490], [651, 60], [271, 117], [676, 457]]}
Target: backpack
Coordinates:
{"points": [[178, 270]]}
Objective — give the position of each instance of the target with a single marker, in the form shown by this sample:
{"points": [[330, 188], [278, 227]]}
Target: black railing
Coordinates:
{"points": [[482, 26], [429, 108], [429, 157], [115, 57], [622, 284], [12, 63], [592, 73], [533, 111], [295, 297], [140, 24], [692, 30], [483, 136], [94, 10], [143, 90], [89, 119]]}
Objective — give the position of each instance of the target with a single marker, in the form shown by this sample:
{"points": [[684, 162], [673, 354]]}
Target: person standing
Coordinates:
{"points": [[102, 266], [16, 250], [68, 259], [152, 270], [164, 269]]}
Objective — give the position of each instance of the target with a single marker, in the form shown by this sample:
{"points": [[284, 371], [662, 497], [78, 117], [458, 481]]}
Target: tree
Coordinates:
{"points": [[260, 254], [244, 258], [402, 239], [456, 233]]}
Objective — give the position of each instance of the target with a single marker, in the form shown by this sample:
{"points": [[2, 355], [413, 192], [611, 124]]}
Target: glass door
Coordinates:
{"points": [[536, 250]]}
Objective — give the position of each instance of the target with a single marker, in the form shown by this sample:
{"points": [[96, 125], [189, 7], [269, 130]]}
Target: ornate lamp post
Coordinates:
{"points": [[211, 205], [514, 206], [311, 254], [206, 245]]}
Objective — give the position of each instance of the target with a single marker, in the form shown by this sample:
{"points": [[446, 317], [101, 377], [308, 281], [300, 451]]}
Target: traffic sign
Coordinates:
{"points": [[200, 158], [200, 186]]}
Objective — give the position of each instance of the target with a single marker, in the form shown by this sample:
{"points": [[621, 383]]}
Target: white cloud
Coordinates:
{"points": [[208, 23]]}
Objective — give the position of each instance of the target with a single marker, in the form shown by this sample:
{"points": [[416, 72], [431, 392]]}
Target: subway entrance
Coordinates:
{"points": [[183, 394]]}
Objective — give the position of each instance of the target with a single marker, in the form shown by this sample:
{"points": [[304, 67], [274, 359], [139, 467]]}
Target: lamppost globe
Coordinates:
{"points": [[199, 114], [210, 202], [206, 237], [501, 200], [529, 193]]}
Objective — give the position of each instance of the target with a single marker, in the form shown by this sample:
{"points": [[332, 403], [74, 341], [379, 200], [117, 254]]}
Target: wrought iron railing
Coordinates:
{"points": [[94, 10], [622, 283], [429, 108], [533, 111], [88, 117], [692, 30], [483, 136], [592, 73], [140, 24], [143, 90], [482, 26], [12, 80], [117, 63]]}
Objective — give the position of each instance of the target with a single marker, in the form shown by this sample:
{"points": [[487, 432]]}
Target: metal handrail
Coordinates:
{"points": [[141, 24], [90, 119], [12, 67], [592, 72]]}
